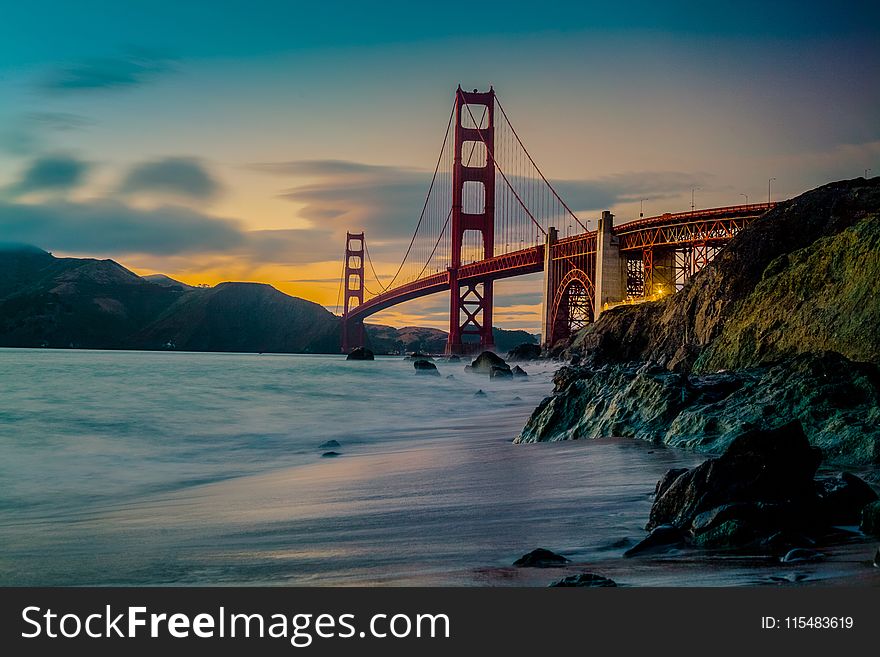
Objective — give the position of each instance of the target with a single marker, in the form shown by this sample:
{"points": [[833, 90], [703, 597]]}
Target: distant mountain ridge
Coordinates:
{"points": [[99, 304]]}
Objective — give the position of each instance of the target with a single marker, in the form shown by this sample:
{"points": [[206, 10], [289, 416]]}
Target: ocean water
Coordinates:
{"points": [[148, 468]]}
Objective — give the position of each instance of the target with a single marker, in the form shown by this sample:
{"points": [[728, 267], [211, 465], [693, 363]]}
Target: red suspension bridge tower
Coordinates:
{"points": [[353, 332], [470, 303]]}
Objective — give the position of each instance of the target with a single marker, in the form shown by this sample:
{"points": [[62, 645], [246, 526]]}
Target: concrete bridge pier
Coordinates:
{"points": [[549, 292], [610, 265]]}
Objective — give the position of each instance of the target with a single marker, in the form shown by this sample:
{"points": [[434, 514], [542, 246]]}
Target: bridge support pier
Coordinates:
{"points": [[353, 335], [550, 284], [610, 265]]}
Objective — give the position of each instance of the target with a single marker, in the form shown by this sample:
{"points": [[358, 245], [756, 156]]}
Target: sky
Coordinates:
{"points": [[238, 140]]}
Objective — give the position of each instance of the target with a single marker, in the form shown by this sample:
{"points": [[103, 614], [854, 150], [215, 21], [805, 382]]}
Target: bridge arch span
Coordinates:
{"points": [[573, 304]]}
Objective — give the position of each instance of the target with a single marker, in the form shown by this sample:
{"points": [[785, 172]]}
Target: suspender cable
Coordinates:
{"points": [[558, 198]]}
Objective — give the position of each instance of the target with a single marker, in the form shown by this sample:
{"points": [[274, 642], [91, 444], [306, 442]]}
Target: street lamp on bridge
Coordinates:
{"points": [[769, 197], [642, 207], [693, 190], [747, 197]]}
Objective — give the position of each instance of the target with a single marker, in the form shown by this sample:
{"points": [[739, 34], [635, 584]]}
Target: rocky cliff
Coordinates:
{"points": [[799, 279], [781, 326]]}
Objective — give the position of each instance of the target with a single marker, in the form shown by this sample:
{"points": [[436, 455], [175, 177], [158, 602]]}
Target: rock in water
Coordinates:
{"points": [[870, 523], [518, 371], [484, 363], [540, 558], [419, 356], [360, 353], [330, 455], [762, 484], [479, 393], [329, 444], [500, 372], [452, 358], [525, 351], [425, 367], [584, 579]]}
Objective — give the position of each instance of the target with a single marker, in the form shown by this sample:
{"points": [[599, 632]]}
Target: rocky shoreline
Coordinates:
{"points": [[836, 400], [768, 361]]}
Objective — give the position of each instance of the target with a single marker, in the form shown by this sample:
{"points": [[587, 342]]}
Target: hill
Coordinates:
{"points": [[242, 317], [74, 302], [167, 281]]}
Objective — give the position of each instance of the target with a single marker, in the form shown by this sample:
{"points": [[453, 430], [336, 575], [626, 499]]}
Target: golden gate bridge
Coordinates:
{"points": [[490, 213]]}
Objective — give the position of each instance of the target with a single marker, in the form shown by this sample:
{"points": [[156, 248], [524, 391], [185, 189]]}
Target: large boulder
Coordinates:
{"points": [[425, 367], [761, 484], [524, 351], [484, 363], [360, 353]]}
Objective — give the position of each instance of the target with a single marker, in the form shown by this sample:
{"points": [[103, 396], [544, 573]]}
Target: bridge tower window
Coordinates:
{"points": [[473, 154], [473, 197], [474, 116]]}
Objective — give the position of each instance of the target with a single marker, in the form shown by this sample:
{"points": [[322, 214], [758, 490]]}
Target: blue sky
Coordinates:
{"points": [[164, 115]]}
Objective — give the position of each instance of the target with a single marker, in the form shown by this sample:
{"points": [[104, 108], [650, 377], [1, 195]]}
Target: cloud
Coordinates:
{"points": [[28, 133], [52, 174], [175, 176], [107, 73], [112, 228], [345, 168], [386, 200], [293, 246], [608, 191]]}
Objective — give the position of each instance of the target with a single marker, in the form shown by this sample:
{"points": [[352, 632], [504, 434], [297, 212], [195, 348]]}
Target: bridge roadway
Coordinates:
{"points": [[709, 226]]}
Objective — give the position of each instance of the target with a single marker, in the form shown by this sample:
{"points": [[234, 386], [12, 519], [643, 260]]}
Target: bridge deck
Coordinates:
{"points": [[710, 225]]}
